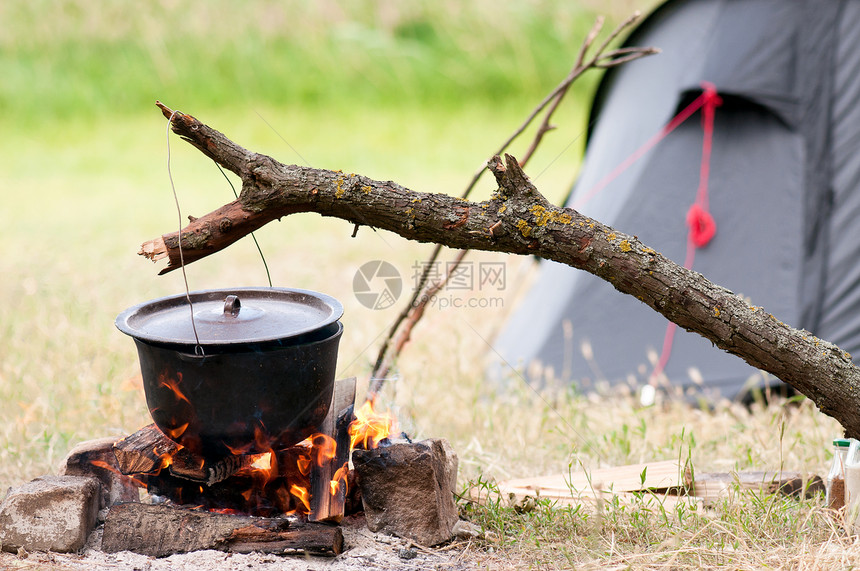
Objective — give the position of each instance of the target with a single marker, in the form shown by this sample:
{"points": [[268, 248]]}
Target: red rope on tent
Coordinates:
{"points": [[699, 219], [673, 124], [701, 223]]}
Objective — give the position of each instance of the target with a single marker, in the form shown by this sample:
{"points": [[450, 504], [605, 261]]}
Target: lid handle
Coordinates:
{"points": [[232, 305]]}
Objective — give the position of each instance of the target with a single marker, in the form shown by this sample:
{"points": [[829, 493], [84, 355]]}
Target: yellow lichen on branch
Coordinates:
{"points": [[543, 216]]}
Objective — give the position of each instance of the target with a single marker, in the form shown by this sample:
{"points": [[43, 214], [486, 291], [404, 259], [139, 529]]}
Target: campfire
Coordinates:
{"points": [[289, 493], [308, 480], [254, 445], [305, 483]]}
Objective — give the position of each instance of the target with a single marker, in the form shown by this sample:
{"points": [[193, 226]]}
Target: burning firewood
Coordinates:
{"points": [[144, 451], [329, 478], [308, 478]]}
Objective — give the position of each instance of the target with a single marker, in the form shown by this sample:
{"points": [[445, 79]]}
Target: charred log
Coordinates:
{"points": [[144, 451], [159, 531]]}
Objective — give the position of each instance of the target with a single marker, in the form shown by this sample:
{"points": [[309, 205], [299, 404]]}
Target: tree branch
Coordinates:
{"points": [[518, 220]]}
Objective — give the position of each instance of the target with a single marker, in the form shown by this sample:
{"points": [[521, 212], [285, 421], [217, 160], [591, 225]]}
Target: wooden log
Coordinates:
{"points": [[408, 489], [353, 503], [328, 505], [243, 492], [143, 451], [206, 471], [311, 538], [159, 531], [147, 450]]}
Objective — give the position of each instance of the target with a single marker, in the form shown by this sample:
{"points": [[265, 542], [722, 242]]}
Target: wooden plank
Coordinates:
{"points": [[716, 485], [632, 484], [325, 505], [625, 483], [520, 498], [657, 476]]}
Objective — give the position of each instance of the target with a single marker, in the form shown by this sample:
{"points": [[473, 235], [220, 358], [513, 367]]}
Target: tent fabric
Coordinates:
{"points": [[783, 187]]}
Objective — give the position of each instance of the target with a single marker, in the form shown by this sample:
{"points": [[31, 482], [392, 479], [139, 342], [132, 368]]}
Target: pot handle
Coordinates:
{"points": [[194, 358], [232, 305]]}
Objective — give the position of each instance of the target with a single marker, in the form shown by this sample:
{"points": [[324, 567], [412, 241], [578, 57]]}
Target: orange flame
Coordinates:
{"points": [[339, 478], [302, 495], [287, 487], [165, 380], [264, 461], [175, 433], [165, 460], [370, 426], [304, 464], [263, 468], [324, 448], [262, 440], [105, 466]]}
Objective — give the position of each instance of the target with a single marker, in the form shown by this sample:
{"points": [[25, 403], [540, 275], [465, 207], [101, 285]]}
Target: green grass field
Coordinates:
{"points": [[417, 92]]}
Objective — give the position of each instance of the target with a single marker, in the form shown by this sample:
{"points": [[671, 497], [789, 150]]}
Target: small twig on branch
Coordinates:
{"points": [[414, 310]]}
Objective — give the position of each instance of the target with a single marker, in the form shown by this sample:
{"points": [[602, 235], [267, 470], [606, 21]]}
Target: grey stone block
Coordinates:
{"points": [[51, 513]]}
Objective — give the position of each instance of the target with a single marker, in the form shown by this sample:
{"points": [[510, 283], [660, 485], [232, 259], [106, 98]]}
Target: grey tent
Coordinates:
{"points": [[784, 190]]}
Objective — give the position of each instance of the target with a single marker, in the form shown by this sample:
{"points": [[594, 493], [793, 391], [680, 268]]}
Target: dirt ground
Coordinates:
{"points": [[363, 549]]}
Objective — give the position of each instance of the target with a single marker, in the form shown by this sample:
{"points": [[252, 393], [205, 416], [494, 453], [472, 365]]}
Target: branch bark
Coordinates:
{"points": [[517, 220]]}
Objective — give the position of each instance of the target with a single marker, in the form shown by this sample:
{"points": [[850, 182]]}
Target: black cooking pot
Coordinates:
{"points": [[260, 378]]}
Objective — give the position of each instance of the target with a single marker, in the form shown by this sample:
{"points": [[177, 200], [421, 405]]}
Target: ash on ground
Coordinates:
{"points": [[363, 549]]}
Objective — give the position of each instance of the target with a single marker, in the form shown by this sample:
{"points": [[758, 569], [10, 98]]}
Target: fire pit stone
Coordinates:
{"points": [[408, 489], [51, 513]]}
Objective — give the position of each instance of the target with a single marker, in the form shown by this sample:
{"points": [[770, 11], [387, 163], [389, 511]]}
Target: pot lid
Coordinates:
{"points": [[230, 316]]}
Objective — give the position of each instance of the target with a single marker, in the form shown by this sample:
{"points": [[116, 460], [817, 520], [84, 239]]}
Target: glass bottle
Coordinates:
{"points": [[836, 475]]}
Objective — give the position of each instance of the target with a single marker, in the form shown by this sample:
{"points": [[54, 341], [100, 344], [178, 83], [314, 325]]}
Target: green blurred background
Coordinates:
{"points": [[420, 92]]}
